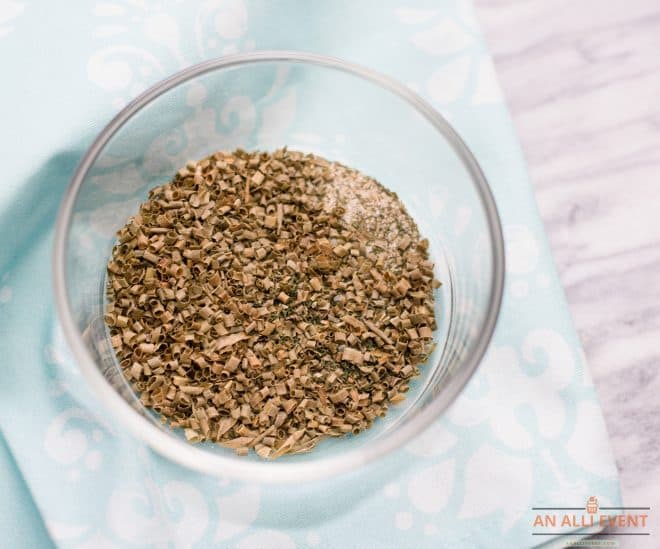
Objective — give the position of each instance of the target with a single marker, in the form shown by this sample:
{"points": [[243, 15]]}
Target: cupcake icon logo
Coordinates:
{"points": [[592, 505]]}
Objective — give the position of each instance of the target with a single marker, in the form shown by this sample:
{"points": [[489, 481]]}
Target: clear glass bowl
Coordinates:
{"points": [[312, 103]]}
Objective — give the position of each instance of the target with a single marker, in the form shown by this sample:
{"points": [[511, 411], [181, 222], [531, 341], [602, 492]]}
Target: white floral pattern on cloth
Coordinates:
{"points": [[522, 259], [429, 490], [507, 387], [527, 429], [217, 27], [67, 444], [9, 11], [489, 474], [202, 126], [239, 510], [172, 513], [453, 40]]}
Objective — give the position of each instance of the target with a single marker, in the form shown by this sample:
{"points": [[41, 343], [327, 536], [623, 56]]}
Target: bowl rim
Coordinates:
{"points": [[191, 456]]}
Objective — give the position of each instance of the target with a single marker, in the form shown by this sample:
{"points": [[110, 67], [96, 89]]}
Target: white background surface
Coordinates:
{"points": [[582, 81]]}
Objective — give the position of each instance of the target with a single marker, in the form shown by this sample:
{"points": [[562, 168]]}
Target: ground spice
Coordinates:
{"points": [[268, 301]]}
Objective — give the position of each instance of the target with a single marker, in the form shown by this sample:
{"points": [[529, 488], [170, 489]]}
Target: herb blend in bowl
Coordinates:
{"points": [[267, 301]]}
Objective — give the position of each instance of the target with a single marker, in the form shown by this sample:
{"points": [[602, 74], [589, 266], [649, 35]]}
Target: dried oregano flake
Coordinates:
{"points": [[267, 301]]}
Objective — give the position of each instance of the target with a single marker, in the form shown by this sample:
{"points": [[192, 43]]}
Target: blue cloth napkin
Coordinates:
{"points": [[528, 430]]}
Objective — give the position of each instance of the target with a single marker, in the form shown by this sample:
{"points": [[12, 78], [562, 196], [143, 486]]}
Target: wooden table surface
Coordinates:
{"points": [[582, 80]]}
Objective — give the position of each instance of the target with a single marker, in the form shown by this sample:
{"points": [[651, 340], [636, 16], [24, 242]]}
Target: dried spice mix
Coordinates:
{"points": [[267, 301]]}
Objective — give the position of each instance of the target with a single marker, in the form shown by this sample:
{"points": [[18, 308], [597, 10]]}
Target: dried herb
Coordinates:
{"points": [[267, 301]]}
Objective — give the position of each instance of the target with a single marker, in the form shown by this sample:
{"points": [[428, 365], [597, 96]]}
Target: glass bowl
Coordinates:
{"points": [[266, 100]]}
